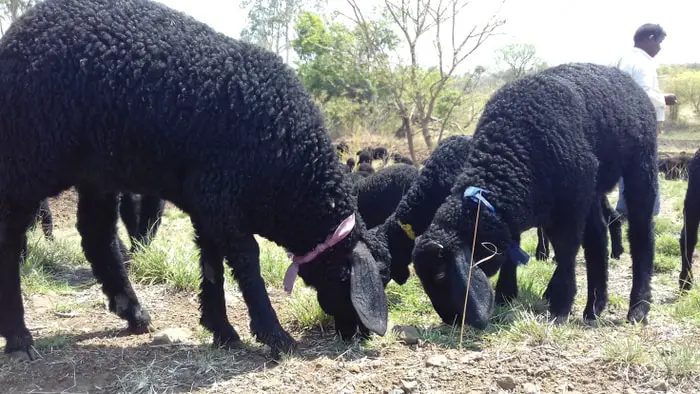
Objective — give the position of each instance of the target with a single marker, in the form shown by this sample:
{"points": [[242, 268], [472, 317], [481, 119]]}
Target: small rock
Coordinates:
{"points": [[506, 382], [409, 385], [407, 334], [354, 368], [171, 335], [437, 360], [396, 391], [660, 386], [529, 388], [630, 390], [346, 391]]}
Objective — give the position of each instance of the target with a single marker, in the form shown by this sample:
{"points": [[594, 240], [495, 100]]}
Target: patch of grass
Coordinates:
{"points": [[679, 360], [45, 262], [273, 262], [305, 310], [167, 263], [626, 351], [665, 225], [535, 330], [53, 343], [409, 304], [666, 263], [667, 244], [688, 306]]}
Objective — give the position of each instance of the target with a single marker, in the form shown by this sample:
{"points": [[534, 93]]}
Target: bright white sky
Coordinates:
{"points": [[562, 30]]}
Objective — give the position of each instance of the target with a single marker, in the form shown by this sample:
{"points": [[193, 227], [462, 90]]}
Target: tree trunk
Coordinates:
{"points": [[409, 138], [425, 129]]}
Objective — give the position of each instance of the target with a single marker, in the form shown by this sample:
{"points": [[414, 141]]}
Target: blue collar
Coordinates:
{"points": [[516, 254]]}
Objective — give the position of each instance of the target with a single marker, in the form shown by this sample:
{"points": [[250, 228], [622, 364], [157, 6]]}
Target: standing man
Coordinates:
{"points": [[639, 64]]}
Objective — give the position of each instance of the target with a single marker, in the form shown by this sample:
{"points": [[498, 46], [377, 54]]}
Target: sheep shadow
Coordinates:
{"points": [[179, 368]]}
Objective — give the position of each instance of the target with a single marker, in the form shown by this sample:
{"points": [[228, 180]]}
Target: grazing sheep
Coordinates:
{"points": [[691, 220], [380, 193], [141, 216], [103, 95], [547, 149], [342, 148], [398, 158], [46, 218], [364, 157], [612, 218], [380, 153], [674, 167], [365, 169], [350, 164], [416, 209]]}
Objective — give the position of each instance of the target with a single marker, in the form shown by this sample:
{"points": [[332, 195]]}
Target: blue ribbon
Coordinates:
{"points": [[515, 253]]}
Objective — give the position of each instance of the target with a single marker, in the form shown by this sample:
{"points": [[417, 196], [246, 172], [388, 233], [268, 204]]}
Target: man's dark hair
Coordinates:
{"points": [[647, 30]]}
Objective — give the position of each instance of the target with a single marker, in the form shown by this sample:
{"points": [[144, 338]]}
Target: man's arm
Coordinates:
{"points": [[645, 79]]}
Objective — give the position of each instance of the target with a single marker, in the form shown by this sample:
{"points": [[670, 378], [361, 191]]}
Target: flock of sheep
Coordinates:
{"points": [[119, 98]]}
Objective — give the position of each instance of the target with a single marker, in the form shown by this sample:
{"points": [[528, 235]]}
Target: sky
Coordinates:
{"points": [[596, 31]]}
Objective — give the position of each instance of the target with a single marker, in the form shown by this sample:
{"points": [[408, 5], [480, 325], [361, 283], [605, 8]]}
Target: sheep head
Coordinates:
{"points": [[349, 279], [443, 260]]}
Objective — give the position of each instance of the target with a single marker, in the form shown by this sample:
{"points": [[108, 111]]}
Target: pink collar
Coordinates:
{"points": [[340, 233]]}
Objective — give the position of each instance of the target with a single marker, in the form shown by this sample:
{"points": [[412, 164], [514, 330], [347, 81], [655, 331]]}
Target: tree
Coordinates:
{"points": [[10, 10], [270, 23], [517, 60], [686, 86], [414, 90], [333, 63]]}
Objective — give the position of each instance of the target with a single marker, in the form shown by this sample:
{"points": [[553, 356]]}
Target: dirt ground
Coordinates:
{"points": [[83, 350]]}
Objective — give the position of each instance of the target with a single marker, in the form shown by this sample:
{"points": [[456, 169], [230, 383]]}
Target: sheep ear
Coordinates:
{"points": [[367, 290]]}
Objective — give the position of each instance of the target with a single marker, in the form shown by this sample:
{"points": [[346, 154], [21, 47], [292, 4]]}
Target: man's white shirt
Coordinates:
{"points": [[640, 66]]}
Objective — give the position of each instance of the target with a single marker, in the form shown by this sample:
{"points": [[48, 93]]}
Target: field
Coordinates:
{"points": [[83, 350]]}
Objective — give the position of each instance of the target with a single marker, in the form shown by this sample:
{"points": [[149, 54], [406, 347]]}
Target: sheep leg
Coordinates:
{"points": [[542, 250], [507, 284], [561, 289], [46, 219], [595, 250], [614, 221], [688, 241], [13, 240], [148, 221], [97, 225], [243, 256], [211, 295], [128, 214], [639, 193]]}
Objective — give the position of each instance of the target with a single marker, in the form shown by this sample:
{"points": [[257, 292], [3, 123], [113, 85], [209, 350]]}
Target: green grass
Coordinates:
{"points": [[173, 260]]}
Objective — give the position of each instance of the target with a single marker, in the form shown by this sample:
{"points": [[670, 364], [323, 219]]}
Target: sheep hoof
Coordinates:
{"points": [[141, 323], [280, 342], [23, 356], [638, 314]]}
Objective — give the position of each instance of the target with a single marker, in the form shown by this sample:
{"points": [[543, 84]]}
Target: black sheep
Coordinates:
{"points": [[380, 193], [349, 164], [674, 167], [416, 209], [141, 215], [547, 149], [398, 158], [612, 218], [364, 157], [365, 169], [691, 220], [103, 95]]}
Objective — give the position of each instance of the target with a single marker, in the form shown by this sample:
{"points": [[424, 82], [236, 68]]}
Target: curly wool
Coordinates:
{"points": [[129, 95], [691, 221], [379, 193], [547, 148]]}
